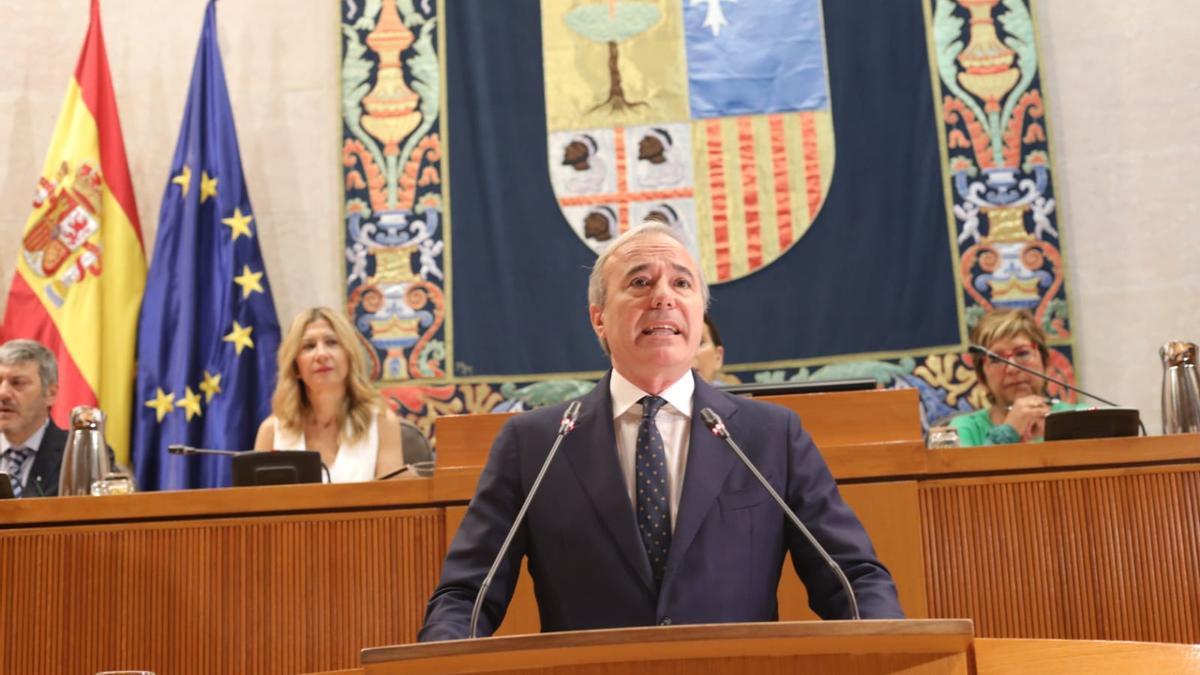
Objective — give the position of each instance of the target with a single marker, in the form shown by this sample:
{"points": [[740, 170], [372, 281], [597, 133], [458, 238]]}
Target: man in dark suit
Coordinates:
{"points": [[31, 446], [645, 517]]}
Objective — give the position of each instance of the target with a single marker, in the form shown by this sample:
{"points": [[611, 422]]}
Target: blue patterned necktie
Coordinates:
{"points": [[653, 492], [14, 461]]}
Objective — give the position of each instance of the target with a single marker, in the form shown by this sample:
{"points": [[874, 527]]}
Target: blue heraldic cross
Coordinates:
{"points": [[208, 333]]}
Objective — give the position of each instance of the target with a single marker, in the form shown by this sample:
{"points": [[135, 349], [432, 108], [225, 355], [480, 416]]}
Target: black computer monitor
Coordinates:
{"points": [[807, 387], [1095, 423], [276, 467]]}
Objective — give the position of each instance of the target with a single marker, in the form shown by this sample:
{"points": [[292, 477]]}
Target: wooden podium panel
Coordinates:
{"points": [[835, 647], [278, 594], [891, 514], [1082, 657], [1110, 554], [831, 647], [860, 433]]}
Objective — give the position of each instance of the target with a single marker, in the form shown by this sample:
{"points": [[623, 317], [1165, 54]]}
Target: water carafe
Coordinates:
{"points": [[85, 457], [1180, 388]]}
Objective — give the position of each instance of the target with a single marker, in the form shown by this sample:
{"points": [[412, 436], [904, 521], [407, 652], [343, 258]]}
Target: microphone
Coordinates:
{"points": [[984, 351], [178, 449], [570, 416], [715, 425], [189, 450]]}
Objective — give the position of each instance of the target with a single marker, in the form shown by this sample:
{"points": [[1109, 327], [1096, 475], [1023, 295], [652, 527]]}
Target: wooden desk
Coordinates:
{"points": [[1085, 539]]}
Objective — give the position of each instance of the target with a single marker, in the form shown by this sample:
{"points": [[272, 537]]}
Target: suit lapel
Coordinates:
{"points": [[708, 463], [592, 453]]}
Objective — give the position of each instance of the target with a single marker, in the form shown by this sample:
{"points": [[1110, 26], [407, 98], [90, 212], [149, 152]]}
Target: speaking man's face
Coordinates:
{"points": [[654, 310], [24, 401]]}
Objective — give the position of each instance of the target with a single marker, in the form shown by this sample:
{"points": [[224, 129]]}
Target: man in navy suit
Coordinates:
{"points": [[644, 517], [31, 446]]}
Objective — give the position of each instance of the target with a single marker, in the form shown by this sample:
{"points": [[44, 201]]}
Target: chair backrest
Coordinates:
{"points": [[417, 447]]}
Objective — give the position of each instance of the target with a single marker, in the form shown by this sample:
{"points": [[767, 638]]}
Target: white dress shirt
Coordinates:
{"points": [[33, 443], [674, 422]]}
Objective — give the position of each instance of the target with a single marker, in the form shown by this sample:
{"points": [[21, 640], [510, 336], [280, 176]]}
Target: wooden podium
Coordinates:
{"points": [[912, 647], [916, 647]]}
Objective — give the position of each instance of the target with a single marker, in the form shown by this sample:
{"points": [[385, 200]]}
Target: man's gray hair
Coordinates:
{"points": [[24, 351], [598, 293]]}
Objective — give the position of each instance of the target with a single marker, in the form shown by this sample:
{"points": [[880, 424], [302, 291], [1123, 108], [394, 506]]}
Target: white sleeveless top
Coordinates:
{"points": [[354, 463]]}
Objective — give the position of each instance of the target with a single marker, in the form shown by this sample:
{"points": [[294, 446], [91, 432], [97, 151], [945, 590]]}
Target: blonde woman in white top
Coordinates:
{"points": [[324, 402]]}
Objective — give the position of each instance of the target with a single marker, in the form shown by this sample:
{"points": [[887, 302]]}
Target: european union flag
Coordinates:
{"points": [[208, 333]]}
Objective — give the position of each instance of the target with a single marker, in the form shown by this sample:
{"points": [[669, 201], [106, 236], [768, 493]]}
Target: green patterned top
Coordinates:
{"points": [[976, 428]]}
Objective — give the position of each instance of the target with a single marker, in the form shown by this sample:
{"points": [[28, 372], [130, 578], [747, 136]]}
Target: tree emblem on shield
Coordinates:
{"points": [[710, 116]]}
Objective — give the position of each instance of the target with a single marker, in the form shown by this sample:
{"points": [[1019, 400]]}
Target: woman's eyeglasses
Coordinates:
{"points": [[1022, 355]]}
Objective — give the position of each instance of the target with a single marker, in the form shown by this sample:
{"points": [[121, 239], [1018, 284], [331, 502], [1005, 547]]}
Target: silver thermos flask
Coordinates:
{"points": [[85, 458], [1180, 388]]}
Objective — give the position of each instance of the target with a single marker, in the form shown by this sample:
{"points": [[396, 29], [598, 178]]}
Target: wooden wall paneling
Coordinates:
{"points": [[275, 595], [836, 418], [1108, 554], [464, 440]]}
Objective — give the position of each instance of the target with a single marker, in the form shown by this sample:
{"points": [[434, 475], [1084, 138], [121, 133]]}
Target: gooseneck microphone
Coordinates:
{"points": [[178, 449], [984, 351], [715, 425], [564, 427], [189, 450]]}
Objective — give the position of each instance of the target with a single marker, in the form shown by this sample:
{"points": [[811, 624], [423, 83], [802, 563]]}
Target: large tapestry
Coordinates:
{"points": [[859, 180]]}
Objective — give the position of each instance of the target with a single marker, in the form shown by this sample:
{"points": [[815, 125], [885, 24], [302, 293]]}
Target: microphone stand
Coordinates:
{"points": [[718, 428], [564, 427], [188, 450], [984, 351]]}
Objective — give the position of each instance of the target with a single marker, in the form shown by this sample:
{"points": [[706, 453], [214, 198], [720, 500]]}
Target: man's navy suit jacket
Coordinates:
{"points": [[47, 464], [580, 535]]}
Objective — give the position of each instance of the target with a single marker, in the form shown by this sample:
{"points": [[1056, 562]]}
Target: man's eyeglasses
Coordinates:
{"points": [[1022, 355]]}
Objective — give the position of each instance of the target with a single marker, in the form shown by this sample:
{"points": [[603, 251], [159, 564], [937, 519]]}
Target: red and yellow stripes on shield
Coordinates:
{"points": [[85, 307], [766, 177]]}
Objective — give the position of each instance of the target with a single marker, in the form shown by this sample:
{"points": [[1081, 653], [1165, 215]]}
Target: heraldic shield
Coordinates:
{"points": [[711, 116]]}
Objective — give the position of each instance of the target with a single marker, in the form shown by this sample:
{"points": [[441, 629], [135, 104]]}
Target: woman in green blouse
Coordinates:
{"points": [[1017, 400]]}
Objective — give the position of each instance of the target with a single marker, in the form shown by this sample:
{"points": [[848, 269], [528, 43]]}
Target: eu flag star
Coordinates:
{"points": [[239, 224], [240, 337], [162, 404], [190, 403], [184, 179], [208, 186], [249, 281], [211, 386]]}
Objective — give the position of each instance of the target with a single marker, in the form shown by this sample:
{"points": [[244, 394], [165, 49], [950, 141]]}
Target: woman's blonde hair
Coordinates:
{"points": [[1005, 324], [290, 403]]}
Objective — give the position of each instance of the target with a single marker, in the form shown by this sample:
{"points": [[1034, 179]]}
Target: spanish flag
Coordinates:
{"points": [[81, 268]]}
